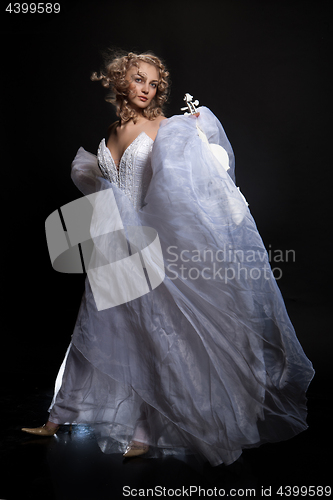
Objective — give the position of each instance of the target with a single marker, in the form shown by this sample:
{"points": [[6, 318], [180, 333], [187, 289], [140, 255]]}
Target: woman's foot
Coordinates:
{"points": [[48, 429], [135, 449]]}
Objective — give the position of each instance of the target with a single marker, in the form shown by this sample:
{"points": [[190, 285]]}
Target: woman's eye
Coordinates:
{"points": [[153, 85], [138, 80]]}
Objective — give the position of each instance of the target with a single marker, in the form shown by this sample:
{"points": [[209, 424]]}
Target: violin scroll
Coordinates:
{"points": [[191, 106]]}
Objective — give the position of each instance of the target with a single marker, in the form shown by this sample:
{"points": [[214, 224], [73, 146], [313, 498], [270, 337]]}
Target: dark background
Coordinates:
{"points": [[262, 67]]}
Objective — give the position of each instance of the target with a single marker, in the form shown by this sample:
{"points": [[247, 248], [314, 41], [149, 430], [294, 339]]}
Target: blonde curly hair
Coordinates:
{"points": [[113, 76]]}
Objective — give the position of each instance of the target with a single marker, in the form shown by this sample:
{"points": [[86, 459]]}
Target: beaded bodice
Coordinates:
{"points": [[134, 172]]}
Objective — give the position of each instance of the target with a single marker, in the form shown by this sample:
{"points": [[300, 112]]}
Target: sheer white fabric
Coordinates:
{"points": [[208, 362]]}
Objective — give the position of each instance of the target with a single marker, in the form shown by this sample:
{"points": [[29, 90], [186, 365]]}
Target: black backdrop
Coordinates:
{"points": [[262, 67]]}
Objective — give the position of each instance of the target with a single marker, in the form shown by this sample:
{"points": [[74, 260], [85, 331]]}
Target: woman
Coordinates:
{"points": [[206, 359]]}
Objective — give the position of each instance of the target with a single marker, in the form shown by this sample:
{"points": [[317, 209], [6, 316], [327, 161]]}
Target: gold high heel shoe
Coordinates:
{"points": [[42, 431], [135, 450]]}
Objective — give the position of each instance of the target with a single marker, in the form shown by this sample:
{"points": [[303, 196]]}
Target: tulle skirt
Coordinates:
{"points": [[207, 362]]}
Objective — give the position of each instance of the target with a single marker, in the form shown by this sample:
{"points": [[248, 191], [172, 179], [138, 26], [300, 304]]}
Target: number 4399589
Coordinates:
{"points": [[309, 491], [33, 8]]}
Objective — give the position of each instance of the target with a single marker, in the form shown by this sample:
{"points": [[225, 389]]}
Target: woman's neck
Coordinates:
{"points": [[139, 120]]}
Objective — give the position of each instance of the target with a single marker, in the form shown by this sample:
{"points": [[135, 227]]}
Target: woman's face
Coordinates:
{"points": [[143, 85]]}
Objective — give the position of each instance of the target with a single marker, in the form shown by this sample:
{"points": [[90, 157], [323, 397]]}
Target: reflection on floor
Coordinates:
{"points": [[71, 466]]}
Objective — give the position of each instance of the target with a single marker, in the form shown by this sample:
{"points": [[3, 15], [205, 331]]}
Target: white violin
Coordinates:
{"points": [[218, 151]]}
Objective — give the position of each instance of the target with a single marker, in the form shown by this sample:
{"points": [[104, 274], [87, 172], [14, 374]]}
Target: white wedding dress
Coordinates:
{"points": [[208, 361]]}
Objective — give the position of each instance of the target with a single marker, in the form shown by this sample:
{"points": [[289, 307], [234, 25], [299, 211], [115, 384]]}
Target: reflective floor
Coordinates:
{"points": [[71, 466]]}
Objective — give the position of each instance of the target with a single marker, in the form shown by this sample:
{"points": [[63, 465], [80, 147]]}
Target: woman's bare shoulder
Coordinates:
{"points": [[160, 118], [156, 123], [112, 129], [152, 126]]}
